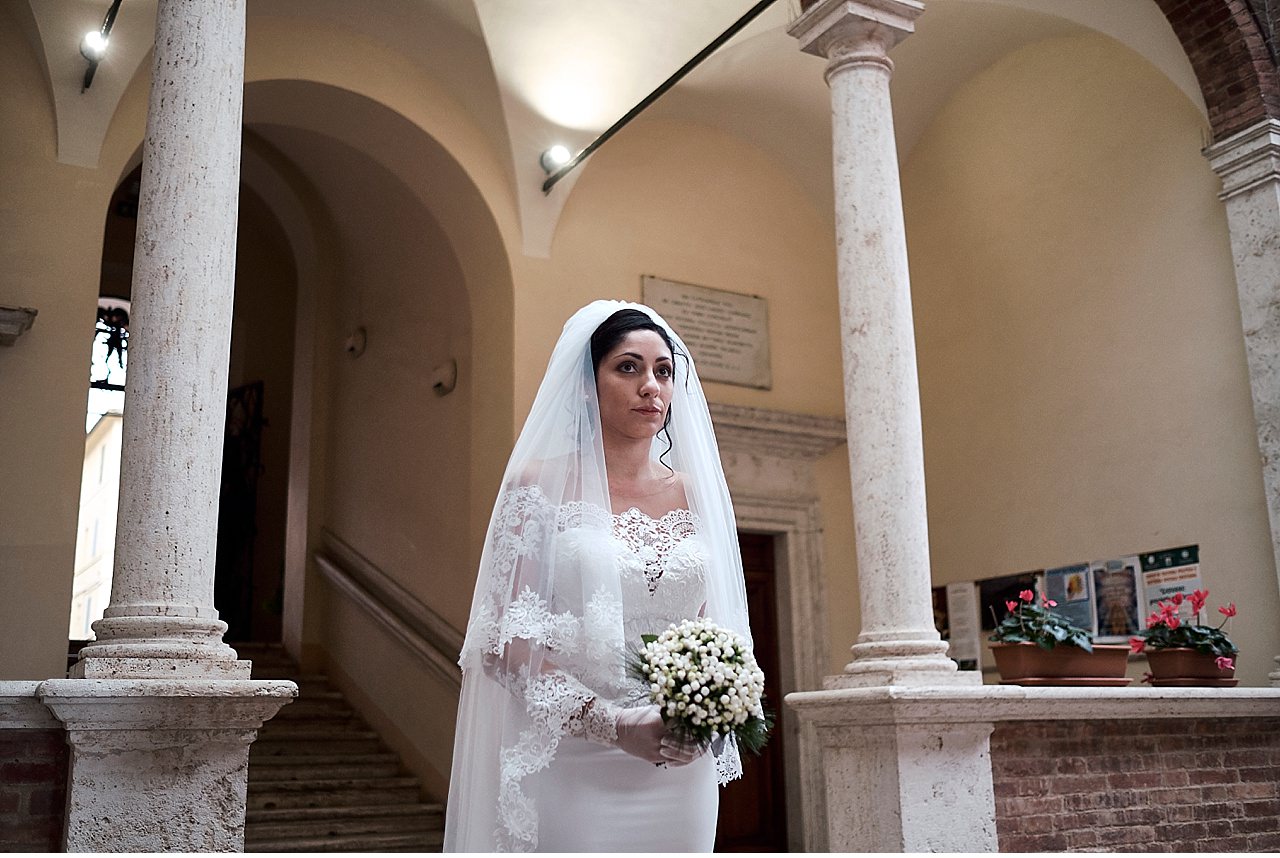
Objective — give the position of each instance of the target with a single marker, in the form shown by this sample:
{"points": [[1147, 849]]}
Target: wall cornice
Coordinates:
{"points": [[775, 433]]}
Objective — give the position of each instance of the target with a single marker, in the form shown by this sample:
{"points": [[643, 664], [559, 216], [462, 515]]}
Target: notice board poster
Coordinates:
{"points": [[1072, 588], [1168, 572], [1116, 596]]}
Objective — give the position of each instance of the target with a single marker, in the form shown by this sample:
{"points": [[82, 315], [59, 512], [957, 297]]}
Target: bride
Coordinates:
{"points": [[613, 522]]}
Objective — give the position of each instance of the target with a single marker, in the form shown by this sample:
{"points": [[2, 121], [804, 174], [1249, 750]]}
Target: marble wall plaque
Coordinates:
{"points": [[728, 333]]}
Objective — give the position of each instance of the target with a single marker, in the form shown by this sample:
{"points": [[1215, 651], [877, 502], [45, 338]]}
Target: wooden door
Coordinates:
{"points": [[753, 810]]}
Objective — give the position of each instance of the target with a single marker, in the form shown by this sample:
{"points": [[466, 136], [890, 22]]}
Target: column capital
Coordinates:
{"points": [[1248, 159], [829, 27]]}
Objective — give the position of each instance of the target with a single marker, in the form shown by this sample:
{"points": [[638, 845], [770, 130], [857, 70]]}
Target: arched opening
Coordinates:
{"points": [[251, 530]]}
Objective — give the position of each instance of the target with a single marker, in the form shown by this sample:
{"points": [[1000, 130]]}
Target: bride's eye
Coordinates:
{"points": [[664, 371]]}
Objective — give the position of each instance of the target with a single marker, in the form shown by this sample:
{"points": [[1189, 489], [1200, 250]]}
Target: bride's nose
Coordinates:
{"points": [[650, 386]]}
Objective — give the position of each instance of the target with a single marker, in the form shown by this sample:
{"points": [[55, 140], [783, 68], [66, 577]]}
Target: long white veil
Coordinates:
{"points": [[545, 636]]}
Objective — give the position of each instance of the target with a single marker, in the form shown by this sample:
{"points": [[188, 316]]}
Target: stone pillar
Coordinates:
{"points": [[898, 643], [156, 765], [900, 773], [161, 620], [1249, 165], [161, 714]]}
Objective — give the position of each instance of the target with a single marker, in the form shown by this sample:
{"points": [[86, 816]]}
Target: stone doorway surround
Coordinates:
{"points": [[769, 459]]}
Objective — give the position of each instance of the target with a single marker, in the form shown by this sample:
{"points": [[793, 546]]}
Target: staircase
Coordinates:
{"points": [[321, 781]]}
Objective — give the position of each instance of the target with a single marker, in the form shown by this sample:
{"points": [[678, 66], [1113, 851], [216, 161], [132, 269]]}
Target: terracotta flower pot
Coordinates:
{"points": [[1185, 666], [1028, 664]]}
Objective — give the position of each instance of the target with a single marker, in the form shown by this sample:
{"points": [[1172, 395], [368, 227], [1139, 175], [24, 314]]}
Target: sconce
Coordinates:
{"points": [[356, 343], [14, 322], [444, 378]]}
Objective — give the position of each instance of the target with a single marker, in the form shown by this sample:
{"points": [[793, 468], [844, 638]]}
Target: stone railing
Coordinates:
{"points": [[415, 625]]}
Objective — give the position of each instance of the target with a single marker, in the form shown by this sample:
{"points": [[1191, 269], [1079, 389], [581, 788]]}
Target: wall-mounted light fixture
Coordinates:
{"points": [[357, 342], [555, 174], [14, 322], [93, 47], [444, 378], [555, 158]]}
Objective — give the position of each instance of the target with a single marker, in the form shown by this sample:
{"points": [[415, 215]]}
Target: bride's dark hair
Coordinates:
{"points": [[614, 330]]}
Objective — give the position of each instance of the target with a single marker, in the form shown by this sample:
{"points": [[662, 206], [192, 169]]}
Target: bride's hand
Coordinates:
{"points": [[642, 734]]}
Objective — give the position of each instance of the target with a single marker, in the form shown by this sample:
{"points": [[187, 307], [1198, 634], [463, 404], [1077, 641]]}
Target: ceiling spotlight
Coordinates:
{"points": [[93, 46], [555, 158]]}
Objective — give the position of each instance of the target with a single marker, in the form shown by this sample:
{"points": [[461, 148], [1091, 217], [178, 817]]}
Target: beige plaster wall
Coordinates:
{"points": [[398, 454], [51, 220], [690, 203], [1082, 367]]}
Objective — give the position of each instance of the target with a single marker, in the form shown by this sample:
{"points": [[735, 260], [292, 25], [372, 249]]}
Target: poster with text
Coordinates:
{"points": [[1070, 587], [1116, 596], [1168, 572]]}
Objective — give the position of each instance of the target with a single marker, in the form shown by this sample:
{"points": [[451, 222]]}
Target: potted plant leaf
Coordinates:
{"points": [[1033, 645], [1183, 652]]}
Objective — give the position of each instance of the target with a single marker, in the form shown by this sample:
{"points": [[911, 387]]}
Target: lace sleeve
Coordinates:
{"points": [[518, 632]]}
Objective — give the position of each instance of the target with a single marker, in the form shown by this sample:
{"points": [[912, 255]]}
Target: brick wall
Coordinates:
{"points": [[1167, 785], [1233, 66], [33, 789]]}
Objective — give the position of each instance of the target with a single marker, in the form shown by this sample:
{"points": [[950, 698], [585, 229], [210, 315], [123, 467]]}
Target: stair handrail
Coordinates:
{"points": [[421, 629]]}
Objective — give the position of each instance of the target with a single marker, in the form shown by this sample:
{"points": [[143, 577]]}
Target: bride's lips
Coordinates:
{"points": [[648, 409]]}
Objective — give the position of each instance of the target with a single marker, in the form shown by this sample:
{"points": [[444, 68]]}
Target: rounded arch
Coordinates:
{"points": [[1233, 63]]}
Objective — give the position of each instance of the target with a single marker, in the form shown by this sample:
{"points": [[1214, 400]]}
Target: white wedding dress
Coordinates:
{"points": [[600, 798]]}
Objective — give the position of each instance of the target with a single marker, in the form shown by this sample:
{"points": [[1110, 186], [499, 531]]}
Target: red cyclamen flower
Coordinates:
{"points": [[1224, 663], [1027, 596], [1172, 621], [1011, 605], [1177, 598], [1229, 610], [1198, 598], [1137, 644]]}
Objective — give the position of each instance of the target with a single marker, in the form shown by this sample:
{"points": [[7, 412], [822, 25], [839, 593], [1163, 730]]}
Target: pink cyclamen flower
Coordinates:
{"points": [[1027, 596], [1172, 621], [1050, 603], [1011, 605], [1177, 598], [1137, 644], [1224, 663], [1198, 598], [1228, 610]]}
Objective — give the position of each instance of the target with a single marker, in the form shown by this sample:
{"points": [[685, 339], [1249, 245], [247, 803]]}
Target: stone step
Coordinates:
{"points": [[331, 821], [328, 704], [423, 841], [286, 760], [333, 771], [346, 792], [327, 727], [328, 744]]}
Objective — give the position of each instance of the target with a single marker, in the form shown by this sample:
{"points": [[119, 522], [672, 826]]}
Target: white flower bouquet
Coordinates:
{"points": [[706, 683]]}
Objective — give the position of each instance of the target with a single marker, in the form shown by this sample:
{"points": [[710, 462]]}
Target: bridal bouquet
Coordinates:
{"points": [[706, 683]]}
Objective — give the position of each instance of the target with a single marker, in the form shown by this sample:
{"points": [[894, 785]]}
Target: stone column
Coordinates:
{"points": [[161, 714], [161, 620], [1249, 165], [898, 643], [900, 771]]}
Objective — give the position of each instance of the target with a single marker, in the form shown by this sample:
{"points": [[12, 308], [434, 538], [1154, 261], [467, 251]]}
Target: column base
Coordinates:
{"points": [[899, 774], [159, 647], [900, 661], [159, 766]]}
